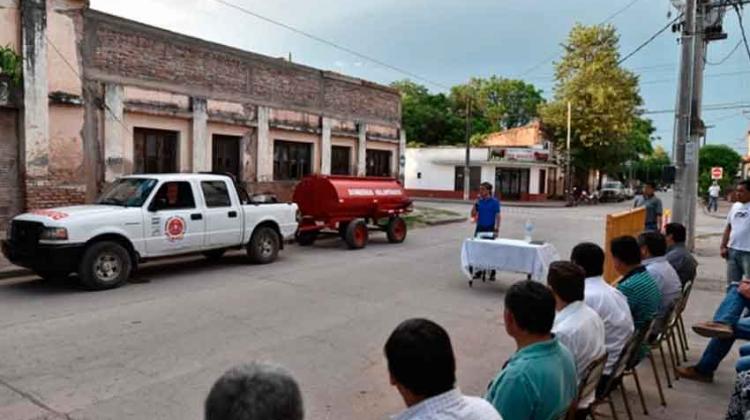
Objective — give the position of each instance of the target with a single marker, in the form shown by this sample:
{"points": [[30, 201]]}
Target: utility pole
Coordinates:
{"points": [[568, 179], [467, 168], [682, 114]]}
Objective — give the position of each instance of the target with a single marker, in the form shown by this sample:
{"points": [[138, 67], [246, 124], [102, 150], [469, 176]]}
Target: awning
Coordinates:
{"points": [[495, 163]]}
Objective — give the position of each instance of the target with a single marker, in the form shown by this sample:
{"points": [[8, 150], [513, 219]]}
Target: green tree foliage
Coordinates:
{"points": [[10, 64], [605, 101], [428, 119], [717, 155], [498, 103], [649, 167]]}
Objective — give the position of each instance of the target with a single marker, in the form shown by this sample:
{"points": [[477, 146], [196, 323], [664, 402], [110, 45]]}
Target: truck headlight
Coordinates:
{"points": [[54, 234]]}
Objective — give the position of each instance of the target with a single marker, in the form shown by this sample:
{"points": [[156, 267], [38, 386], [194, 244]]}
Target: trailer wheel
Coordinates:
{"points": [[264, 246], [356, 234], [342, 229], [105, 265], [307, 238], [396, 230]]}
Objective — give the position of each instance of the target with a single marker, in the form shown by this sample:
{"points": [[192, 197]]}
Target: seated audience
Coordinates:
{"points": [[739, 402], [577, 326], [681, 259], [539, 381], [653, 251], [642, 292], [726, 326], [423, 369], [255, 391], [608, 302]]}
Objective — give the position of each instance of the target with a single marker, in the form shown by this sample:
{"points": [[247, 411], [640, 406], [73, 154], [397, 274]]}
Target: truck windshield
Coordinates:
{"points": [[128, 192]]}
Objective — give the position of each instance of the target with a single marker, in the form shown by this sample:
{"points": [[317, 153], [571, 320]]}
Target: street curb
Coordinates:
{"points": [[515, 204]]}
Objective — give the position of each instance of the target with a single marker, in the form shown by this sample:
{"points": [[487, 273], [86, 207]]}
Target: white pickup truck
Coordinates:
{"points": [[143, 217]]}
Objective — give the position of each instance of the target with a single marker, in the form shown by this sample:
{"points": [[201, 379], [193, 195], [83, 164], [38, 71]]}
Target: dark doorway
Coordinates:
{"points": [[341, 160], [512, 183], [542, 181], [155, 151], [378, 163], [226, 155], [291, 160], [475, 178]]}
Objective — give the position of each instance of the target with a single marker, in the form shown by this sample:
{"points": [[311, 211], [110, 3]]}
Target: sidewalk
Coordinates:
{"points": [[506, 203]]}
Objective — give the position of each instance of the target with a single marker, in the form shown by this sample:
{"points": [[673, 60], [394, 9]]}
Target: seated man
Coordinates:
{"points": [[723, 330], [681, 259], [653, 250], [642, 292], [255, 392], [539, 381], [423, 369], [608, 302], [576, 325]]}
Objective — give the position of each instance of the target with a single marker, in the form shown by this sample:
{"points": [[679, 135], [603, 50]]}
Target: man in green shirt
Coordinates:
{"points": [[539, 380]]}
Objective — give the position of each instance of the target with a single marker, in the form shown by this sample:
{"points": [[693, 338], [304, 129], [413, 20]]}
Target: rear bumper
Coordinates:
{"points": [[45, 257]]}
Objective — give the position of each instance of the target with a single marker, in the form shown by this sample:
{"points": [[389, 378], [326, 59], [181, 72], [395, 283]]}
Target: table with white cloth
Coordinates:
{"points": [[507, 255]]}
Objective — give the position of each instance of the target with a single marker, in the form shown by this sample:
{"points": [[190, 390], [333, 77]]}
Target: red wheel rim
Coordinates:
{"points": [[360, 235], [399, 229]]}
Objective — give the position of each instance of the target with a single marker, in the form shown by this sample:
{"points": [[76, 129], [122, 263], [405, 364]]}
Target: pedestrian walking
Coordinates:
{"points": [[654, 208], [713, 197]]}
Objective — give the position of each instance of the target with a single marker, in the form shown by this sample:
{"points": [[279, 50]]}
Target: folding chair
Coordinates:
{"points": [[587, 386], [667, 334], [686, 289]]}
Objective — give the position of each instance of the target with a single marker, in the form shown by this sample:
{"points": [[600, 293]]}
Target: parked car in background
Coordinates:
{"points": [[629, 193], [612, 191], [142, 217]]}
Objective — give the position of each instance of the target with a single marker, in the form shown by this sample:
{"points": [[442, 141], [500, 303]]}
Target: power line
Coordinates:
{"points": [[723, 60], [331, 44], [622, 10], [653, 37], [742, 28]]}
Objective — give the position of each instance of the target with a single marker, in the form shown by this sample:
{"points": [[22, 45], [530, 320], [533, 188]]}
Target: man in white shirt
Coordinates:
{"points": [[653, 252], [423, 369], [735, 243], [608, 302], [713, 196], [576, 325]]}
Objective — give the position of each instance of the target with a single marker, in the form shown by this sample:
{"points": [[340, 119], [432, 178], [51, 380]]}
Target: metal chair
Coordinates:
{"points": [[587, 386], [629, 353], [686, 289]]}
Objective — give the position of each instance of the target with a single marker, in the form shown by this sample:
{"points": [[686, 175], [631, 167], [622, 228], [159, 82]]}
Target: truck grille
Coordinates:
{"points": [[25, 235]]}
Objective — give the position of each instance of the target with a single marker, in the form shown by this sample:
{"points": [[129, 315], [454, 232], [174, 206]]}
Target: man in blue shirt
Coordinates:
{"points": [[486, 213]]}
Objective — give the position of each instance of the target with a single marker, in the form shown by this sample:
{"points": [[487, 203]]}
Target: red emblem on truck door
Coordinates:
{"points": [[175, 228]]}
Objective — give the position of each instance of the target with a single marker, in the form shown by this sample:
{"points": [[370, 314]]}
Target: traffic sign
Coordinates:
{"points": [[717, 172]]}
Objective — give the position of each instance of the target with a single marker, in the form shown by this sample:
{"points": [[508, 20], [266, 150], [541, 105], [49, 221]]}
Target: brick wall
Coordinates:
{"points": [[282, 189], [10, 185], [41, 195], [122, 50]]}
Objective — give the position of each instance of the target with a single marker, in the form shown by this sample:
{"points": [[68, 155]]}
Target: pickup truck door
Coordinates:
{"points": [[174, 224], [223, 218]]}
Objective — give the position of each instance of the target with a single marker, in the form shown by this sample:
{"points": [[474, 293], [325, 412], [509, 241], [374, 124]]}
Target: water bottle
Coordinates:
{"points": [[528, 229]]}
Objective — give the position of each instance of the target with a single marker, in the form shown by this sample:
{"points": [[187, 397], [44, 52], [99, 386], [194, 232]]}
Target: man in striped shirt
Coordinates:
{"points": [[642, 292]]}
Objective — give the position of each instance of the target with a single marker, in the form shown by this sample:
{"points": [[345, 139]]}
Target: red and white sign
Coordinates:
{"points": [[717, 172], [175, 228]]}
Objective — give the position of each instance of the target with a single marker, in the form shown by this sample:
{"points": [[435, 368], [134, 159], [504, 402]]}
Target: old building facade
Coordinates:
{"points": [[103, 96]]}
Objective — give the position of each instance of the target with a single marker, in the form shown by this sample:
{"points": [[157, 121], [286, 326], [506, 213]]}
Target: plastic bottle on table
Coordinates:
{"points": [[528, 230]]}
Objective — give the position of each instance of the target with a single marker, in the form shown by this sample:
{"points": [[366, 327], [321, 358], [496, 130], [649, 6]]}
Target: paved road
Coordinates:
{"points": [[152, 350]]}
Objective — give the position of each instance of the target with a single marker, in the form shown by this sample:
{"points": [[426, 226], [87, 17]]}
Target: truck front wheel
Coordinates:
{"points": [[105, 265], [264, 246]]}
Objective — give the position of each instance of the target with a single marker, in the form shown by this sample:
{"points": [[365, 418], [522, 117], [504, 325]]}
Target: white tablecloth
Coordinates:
{"points": [[508, 255]]}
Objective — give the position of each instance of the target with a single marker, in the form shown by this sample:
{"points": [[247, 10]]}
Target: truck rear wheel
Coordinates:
{"points": [[264, 246], [105, 265], [396, 230], [356, 234]]}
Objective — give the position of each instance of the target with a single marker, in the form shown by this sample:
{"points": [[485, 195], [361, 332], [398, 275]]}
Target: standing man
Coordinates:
{"points": [[735, 243], [486, 211], [653, 206], [713, 196]]}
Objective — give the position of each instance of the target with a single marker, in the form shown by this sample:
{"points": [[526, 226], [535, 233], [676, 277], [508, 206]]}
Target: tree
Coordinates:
{"points": [[428, 119], [714, 155], [498, 103], [649, 168], [604, 97]]}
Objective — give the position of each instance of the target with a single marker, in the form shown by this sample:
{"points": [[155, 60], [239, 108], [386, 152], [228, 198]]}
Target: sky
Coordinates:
{"points": [[446, 42]]}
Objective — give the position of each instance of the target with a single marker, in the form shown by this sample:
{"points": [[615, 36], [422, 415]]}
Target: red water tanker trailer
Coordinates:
{"points": [[350, 207]]}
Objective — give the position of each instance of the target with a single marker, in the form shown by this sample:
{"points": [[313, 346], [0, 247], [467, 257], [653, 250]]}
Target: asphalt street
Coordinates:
{"points": [[153, 348]]}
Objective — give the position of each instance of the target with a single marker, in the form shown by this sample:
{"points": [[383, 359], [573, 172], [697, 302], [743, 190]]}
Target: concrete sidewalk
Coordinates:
{"points": [[529, 204]]}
